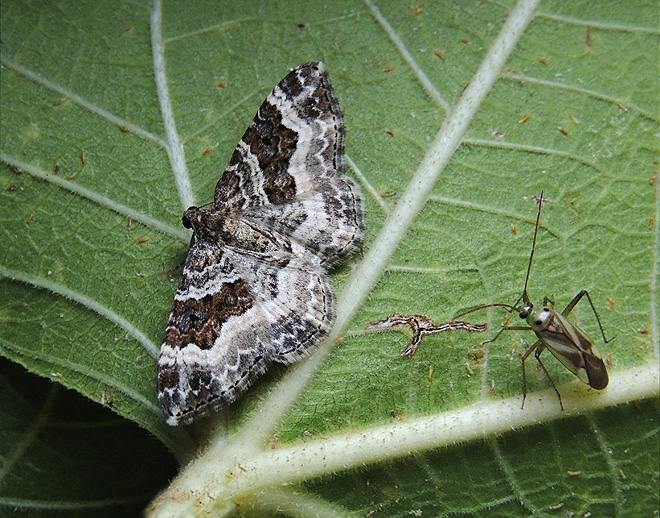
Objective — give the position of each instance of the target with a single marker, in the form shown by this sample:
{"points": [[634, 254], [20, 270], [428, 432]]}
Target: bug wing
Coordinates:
{"points": [[571, 346], [596, 372]]}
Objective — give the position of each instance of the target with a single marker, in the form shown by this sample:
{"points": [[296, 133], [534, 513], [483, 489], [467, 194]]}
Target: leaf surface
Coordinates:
{"points": [[115, 117]]}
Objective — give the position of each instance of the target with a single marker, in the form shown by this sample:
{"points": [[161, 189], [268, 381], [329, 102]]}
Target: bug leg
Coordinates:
{"points": [[507, 328], [524, 357], [493, 339], [537, 355], [574, 303]]}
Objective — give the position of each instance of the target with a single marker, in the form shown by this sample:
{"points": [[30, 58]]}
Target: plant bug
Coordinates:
{"points": [[566, 341]]}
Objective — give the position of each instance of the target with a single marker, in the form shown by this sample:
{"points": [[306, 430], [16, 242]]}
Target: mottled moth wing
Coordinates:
{"points": [[233, 315], [254, 288], [288, 169]]}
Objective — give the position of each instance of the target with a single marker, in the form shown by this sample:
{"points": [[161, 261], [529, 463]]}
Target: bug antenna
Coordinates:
{"points": [[510, 308], [531, 256]]}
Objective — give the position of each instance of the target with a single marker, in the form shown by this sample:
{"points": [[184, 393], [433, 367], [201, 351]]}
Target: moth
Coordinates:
{"points": [[564, 339], [254, 289]]}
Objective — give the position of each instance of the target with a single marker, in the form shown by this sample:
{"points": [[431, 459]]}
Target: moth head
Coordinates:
{"points": [[540, 320], [190, 217]]}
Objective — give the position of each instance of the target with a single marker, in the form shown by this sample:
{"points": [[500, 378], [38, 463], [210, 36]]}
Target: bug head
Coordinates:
{"points": [[537, 320], [526, 309]]}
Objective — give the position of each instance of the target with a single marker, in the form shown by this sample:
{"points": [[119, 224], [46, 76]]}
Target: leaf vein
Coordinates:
{"points": [[430, 88], [598, 25], [511, 76], [117, 121], [96, 197], [86, 302], [174, 145], [370, 188]]}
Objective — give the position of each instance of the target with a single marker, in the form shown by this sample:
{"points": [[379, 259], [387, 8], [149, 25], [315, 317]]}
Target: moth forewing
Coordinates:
{"points": [[571, 346]]}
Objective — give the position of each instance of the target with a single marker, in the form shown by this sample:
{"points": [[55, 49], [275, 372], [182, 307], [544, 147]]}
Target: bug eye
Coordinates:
{"points": [[186, 222], [526, 309]]}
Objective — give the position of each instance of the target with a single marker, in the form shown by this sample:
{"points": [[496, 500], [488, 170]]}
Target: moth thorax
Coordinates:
{"points": [[540, 320]]}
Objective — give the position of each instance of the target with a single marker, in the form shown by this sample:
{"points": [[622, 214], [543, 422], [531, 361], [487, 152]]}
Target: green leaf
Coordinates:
{"points": [[449, 141], [64, 456]]}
